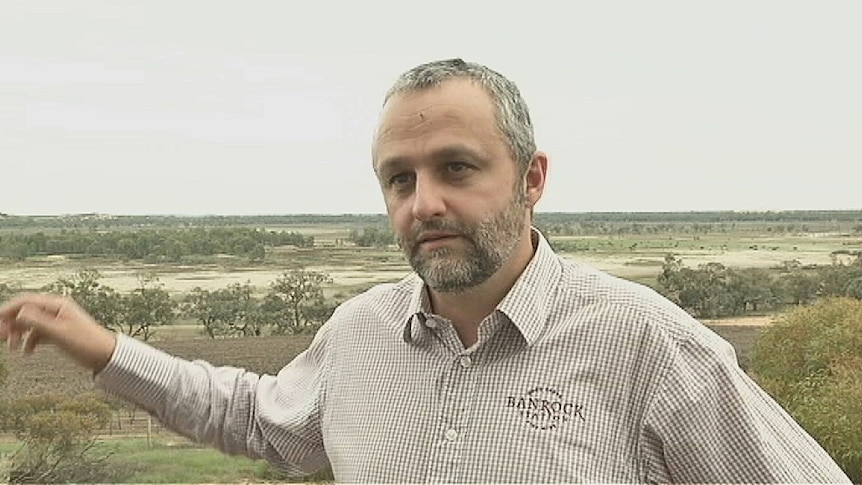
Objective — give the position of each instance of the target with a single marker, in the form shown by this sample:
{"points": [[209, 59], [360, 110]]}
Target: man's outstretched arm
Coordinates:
{"points": [[239, 412]]}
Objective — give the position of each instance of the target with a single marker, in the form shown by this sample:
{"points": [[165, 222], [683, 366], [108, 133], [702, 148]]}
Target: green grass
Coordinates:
{"points": [[183, 463], [175, 460]]}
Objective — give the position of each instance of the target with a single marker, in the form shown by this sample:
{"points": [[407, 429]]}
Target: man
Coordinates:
{"points": [[497, 361]]}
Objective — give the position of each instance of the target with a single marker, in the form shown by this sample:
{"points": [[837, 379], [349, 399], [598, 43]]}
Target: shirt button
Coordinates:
{"points": [[451, 434], [431, 323], [466, 361]]}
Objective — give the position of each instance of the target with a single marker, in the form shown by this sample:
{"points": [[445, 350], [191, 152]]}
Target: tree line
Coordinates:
{"points": [[156, 245], [819, 218], [713, 290], [293, 303]]}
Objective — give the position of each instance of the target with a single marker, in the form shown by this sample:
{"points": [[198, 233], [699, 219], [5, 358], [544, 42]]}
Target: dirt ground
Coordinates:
{"points": [[760, 321], [177, 279]]}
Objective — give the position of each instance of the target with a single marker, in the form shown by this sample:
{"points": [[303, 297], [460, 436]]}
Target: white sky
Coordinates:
{"points": [[268, 107]]}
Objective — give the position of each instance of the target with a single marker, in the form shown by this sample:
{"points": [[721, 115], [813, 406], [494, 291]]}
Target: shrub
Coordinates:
{"points": [[810, 361], [58, 438]]}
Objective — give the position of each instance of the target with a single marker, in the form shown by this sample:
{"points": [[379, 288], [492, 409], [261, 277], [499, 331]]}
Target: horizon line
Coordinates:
{"points": [[383, 214]]}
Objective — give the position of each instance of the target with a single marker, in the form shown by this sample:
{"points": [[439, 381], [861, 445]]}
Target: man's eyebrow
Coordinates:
{"points": [[449, 152], [455, 151], [390, 164]]}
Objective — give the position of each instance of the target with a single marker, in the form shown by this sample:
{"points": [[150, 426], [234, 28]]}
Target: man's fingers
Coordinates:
{"points": [[48, 303], [32, 339], [34, 316], [13, 341]]}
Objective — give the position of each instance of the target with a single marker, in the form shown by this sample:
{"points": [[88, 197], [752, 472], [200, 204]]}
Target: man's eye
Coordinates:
{"points": [[400, 180], [457, 167]]}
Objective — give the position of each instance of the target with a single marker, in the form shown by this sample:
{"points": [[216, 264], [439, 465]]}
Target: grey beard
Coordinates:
{"points": [[490, 244]]}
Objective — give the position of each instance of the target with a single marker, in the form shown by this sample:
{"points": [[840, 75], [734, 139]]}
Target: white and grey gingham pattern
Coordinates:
{"points": [[576, 377]]}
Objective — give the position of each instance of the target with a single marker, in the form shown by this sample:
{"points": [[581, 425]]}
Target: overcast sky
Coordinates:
{"points": [[180, 107]]}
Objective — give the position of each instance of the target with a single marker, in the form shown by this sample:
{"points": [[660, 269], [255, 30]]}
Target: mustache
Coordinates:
{"points": [[408, 240]]}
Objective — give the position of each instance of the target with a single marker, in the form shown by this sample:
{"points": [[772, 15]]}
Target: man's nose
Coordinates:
{"points": [[428, 199]]}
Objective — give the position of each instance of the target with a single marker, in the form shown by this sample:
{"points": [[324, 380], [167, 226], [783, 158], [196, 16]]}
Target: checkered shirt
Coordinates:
{"points": [[577, 376]]}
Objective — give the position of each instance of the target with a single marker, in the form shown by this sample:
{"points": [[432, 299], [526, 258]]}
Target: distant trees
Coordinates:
{"points": [[134, 313], [372, 237], [147, 306], [152, 245], [103, 303], [713, 290], [6, 291], [294, 303], [230, 311]]}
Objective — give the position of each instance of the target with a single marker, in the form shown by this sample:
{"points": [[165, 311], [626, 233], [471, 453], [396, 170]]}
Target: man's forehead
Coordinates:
{"points": [[457, 105], [453, 93], [424, 109]]}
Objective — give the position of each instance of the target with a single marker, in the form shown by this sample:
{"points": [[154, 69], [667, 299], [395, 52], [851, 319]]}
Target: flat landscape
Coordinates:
{"points": [[632, 249]]}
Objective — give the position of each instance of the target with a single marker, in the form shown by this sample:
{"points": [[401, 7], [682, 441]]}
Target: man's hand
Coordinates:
{"points": [[33, 319]]}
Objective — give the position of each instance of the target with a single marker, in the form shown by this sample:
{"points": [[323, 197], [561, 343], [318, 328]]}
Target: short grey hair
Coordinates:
{"points": [[512, 114]]}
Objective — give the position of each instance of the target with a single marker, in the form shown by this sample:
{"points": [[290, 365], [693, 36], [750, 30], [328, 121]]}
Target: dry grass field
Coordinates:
{"points": [[48, 370]]}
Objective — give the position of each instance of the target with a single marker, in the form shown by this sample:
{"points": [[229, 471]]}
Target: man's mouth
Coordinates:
{"points": [[435, 237]]}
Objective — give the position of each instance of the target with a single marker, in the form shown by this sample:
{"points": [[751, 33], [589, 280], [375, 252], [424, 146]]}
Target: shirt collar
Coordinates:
{"points": [[526, 305]]}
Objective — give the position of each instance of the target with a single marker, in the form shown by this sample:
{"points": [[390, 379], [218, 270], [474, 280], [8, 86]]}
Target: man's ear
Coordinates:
{"points": [[534, 179]]}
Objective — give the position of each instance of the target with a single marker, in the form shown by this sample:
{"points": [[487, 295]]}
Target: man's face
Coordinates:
{"points": [[450, 184]]}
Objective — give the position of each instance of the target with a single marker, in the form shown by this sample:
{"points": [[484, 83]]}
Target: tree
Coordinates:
{"points": [[704, 292], [371, 237], [854, 288], [800, 287], [226, 311], [752, 289], [147, 306], [294, 299], [6, 292], [102, 302], [810, 361]]}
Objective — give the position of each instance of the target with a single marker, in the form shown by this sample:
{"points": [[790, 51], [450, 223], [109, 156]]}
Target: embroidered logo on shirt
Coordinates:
{"points": [[545, 408]]}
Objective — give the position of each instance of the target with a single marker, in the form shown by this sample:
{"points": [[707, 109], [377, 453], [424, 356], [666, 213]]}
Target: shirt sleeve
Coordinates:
{"points": [[710, 423], [238, 412]]}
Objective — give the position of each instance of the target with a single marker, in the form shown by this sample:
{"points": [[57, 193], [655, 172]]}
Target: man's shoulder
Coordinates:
{"points": [[618, 301], [622, 307], [383, 299]]}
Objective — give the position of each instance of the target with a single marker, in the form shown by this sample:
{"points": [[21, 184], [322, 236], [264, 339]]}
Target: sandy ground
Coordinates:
{"points": [[740, 321], [124, 278], [639, 266]]}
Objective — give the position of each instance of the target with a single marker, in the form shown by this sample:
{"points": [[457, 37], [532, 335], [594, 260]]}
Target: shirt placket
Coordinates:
{"points": [[457, 392]]}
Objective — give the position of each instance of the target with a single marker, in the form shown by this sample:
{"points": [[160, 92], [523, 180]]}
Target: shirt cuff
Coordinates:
{"points": [[138, 373]]}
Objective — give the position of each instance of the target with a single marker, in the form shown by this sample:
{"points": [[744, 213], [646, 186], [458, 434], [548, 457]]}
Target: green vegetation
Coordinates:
{"points": [[169, 459], [57, 435], [294, 304], [151, 245], [135, 313], [810, 360], [714, 290], [372, 237]]}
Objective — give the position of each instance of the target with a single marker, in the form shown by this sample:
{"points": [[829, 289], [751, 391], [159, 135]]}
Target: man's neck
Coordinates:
{"points": [[468, 308]]}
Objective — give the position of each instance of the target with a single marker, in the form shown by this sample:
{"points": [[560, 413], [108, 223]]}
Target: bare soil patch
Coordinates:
{"points": [[759, 321]]}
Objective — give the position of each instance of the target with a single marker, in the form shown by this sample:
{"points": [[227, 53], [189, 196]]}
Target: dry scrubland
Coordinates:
{"points": [[354, 269]]}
